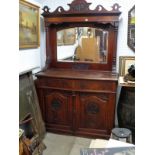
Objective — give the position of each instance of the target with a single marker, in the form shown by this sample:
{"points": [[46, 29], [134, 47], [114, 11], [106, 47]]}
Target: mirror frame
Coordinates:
{"points": [[131, 34], [80, 14], [86, 65]]}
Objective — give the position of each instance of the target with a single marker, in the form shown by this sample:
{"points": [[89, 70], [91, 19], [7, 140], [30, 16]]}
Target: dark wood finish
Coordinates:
{"points": [[95, 114], [80, 14], [58, 110], [81, 7], [79, 102], [79, 98]]}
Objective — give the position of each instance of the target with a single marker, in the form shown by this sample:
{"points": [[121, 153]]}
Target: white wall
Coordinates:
{"points": [[30, 58]]}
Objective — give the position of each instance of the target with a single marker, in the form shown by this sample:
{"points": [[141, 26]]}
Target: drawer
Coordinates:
{"points": [[95, 85], [78, 85], [57, 83]]}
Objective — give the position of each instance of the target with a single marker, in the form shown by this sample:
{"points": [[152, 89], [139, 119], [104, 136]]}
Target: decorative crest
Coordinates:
{"points": [[46, 9], [78, 7]]}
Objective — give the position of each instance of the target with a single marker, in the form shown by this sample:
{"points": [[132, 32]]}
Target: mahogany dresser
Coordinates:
{"points": [[77, 88]]}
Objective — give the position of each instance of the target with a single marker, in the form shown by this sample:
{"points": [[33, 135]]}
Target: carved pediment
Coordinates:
{"points": [[81, 7]]}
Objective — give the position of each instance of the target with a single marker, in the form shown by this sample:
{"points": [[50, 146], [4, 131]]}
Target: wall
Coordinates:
{"points": [[30, 58]]}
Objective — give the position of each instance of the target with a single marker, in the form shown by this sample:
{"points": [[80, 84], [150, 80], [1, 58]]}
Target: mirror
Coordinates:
{"points": [[82, 44], [131, 28]]}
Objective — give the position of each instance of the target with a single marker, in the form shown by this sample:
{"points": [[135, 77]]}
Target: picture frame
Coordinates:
{"points": [[29, 25], [131, 29], [60, 38], [132, 33], [69, 36], [124, 63]]}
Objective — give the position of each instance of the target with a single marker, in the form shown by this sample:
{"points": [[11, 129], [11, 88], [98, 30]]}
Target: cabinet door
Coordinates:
{"points": [[95, 114], [58, 109]]}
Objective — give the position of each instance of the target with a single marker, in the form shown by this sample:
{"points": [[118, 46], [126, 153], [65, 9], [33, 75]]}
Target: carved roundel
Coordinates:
{"points": [[92, 108], [56, 104]]}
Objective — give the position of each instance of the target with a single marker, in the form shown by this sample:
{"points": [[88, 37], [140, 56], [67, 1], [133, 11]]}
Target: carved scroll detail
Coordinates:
{"points": [[80, 7], [115, 7], [46, 9], [56, 104], [92, 108], [100, 8]]}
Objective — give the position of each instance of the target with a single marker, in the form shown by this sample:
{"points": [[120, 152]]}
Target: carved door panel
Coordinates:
{"points": [[95, 113], [58, 109]]}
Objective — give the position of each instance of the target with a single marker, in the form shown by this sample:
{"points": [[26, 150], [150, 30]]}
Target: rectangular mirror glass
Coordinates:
{"points": [[82, 44]]}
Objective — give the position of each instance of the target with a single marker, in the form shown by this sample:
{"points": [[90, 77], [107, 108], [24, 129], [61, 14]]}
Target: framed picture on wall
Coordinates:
{"points": [[131, 28], [124, 64], [29, 25]]}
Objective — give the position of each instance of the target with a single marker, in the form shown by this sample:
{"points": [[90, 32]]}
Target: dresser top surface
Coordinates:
{"points": [[79, 74]]}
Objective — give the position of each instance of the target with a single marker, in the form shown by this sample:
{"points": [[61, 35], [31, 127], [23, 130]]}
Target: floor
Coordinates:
{"points": [[64, 145]]}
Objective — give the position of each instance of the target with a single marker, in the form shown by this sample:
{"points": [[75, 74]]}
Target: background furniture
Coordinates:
{"points": [[79, 98], [126, 108], [122, 134], [30, 115], [131, 28]]}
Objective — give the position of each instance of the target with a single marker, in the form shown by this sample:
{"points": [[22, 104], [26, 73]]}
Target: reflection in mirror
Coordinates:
{"points": [[82, 44]]}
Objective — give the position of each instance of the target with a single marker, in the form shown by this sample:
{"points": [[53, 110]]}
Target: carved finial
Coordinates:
{"points": [[46, 9], [79, 6], [60, 9], [116, 7], [100, 8], [79, 1]]}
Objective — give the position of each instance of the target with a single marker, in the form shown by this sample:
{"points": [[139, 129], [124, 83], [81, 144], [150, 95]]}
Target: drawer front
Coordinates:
{"points": [[95, 85], [78, 85], [57, 83]]}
